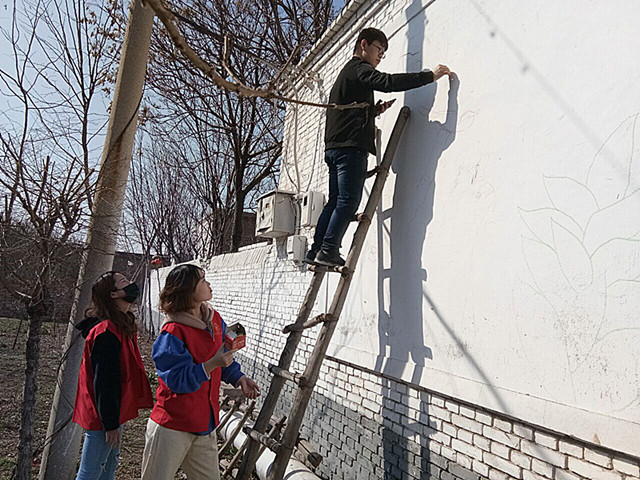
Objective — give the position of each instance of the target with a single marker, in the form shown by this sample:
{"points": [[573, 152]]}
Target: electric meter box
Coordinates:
{"points": [[311, 205], [296, 247], [276, 215]]}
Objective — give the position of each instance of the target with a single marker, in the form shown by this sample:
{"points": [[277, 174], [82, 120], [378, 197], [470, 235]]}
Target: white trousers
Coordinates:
{"points": [[165, 450]]}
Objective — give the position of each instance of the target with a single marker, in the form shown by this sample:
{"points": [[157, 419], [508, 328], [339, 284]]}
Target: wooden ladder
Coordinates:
{"points": [[307, 380]]}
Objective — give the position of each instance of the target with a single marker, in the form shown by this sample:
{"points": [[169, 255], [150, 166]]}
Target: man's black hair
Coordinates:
{"points": [[371, 35]]}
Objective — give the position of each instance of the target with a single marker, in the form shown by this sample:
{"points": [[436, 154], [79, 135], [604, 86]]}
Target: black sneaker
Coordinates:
{"points": [[329, 259], [310, 257]]}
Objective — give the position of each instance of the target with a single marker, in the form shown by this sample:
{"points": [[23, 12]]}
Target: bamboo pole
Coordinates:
{"points": [[303, 394]]}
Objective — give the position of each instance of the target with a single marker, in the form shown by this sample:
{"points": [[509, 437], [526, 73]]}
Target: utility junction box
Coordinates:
{"points": [[276, 214], [296, 247], [311, 205]]}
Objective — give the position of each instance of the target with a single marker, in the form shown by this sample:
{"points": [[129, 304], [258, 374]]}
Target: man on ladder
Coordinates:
{"points": [[350, 137]]}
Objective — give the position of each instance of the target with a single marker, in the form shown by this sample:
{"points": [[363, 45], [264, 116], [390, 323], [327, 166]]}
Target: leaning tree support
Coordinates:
{"points": [[60, 455]]}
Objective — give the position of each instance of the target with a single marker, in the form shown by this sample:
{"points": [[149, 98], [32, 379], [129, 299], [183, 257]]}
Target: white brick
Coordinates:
{"points": [[484, 418], [435, 447], [465, 436], [502, 425], [467, 412], [498, 475], [591, 471], [570, 449], [546, 440], [480, 468], [592, 456], [482, 442], [452, 406], [463, 461], [532, 476], [448, 453], [500, 450], [450, 430], [414, 403], [440, 413], [521, 459], [502, 464], [436, 400], [467, 449], [542, 468], [466, 423], [627, 467], [543, 453], [502, 437], [564, 475], [440, 436]]}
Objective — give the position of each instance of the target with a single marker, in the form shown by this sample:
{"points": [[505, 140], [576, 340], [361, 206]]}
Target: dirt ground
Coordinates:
{"points": [[12, 364]]}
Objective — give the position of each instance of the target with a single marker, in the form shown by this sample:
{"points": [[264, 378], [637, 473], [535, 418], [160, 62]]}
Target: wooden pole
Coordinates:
{"points": [[60, 454]]}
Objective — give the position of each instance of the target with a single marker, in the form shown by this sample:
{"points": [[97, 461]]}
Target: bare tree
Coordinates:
{"points": [[63, 55], [237, 137]]}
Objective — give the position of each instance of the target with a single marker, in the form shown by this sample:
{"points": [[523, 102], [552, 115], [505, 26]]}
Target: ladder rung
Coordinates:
{"points": [[321, 268], [374, 171], [363, 217], [322, 318], [294, 377], [309, 453], [262, 439]]}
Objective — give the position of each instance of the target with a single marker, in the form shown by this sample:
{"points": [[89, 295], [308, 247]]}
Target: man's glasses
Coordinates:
{"points": [[381, 50]]}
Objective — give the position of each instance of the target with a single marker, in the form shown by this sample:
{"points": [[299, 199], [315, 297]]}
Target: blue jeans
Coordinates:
{"points": [[99, 460], [347, 173]]}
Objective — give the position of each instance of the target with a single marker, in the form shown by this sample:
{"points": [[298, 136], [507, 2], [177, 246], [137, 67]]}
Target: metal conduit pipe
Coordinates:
{"points": [[296, 470]]}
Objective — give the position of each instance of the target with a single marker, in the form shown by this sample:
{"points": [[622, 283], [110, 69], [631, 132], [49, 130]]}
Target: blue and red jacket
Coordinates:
{"points": [[187, 398], [112, 383]]}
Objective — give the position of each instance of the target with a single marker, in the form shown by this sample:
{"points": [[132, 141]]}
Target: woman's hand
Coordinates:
{"points": [[113, 438], [250, 389], [220, 359]]}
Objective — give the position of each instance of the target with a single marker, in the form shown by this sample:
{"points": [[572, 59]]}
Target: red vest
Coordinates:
{"points": [[190, 412], [135, 390]]}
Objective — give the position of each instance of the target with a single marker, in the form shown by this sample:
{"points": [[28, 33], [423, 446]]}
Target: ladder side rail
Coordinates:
{"points": [[312, 371], [286, 358]]}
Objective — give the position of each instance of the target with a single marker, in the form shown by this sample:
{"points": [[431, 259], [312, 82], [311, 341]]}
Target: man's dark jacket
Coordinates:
{"points": [[355, 83]]}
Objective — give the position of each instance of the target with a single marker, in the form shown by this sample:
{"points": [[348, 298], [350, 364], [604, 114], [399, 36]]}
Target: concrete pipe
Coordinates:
{"points": [[295, 470]]}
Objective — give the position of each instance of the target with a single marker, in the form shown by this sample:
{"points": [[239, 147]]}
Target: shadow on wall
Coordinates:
{"points": [[409, 217], [400, 323]]}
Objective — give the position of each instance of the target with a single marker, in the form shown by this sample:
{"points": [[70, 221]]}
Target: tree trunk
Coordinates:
{"points": [[27, 414], [238, 214], [60, 455]]}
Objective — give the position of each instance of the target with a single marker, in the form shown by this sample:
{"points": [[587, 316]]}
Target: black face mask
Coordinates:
{"points": [[131, 292]]}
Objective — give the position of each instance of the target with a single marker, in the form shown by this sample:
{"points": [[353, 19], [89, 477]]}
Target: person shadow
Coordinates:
{"points": [[411, 213], [401, 325]]}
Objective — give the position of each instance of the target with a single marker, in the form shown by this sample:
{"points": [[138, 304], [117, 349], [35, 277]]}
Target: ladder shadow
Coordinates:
{"points": [[400, 324]]}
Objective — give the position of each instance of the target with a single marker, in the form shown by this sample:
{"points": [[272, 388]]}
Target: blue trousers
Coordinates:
{"points": [[99, 461], [347, 173]]}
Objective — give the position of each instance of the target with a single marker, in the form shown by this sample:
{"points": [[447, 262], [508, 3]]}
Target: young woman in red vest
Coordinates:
{"points": [[112, 385], [190, 360]]}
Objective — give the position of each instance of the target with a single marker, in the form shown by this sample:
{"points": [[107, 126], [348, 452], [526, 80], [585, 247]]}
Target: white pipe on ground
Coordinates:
{"points": [[295, 470]]}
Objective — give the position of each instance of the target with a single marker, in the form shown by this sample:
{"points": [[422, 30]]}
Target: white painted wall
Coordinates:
{"points": [[503, 267]]}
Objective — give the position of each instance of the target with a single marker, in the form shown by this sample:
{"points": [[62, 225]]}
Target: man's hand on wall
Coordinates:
{"points": [[440, 71]]}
